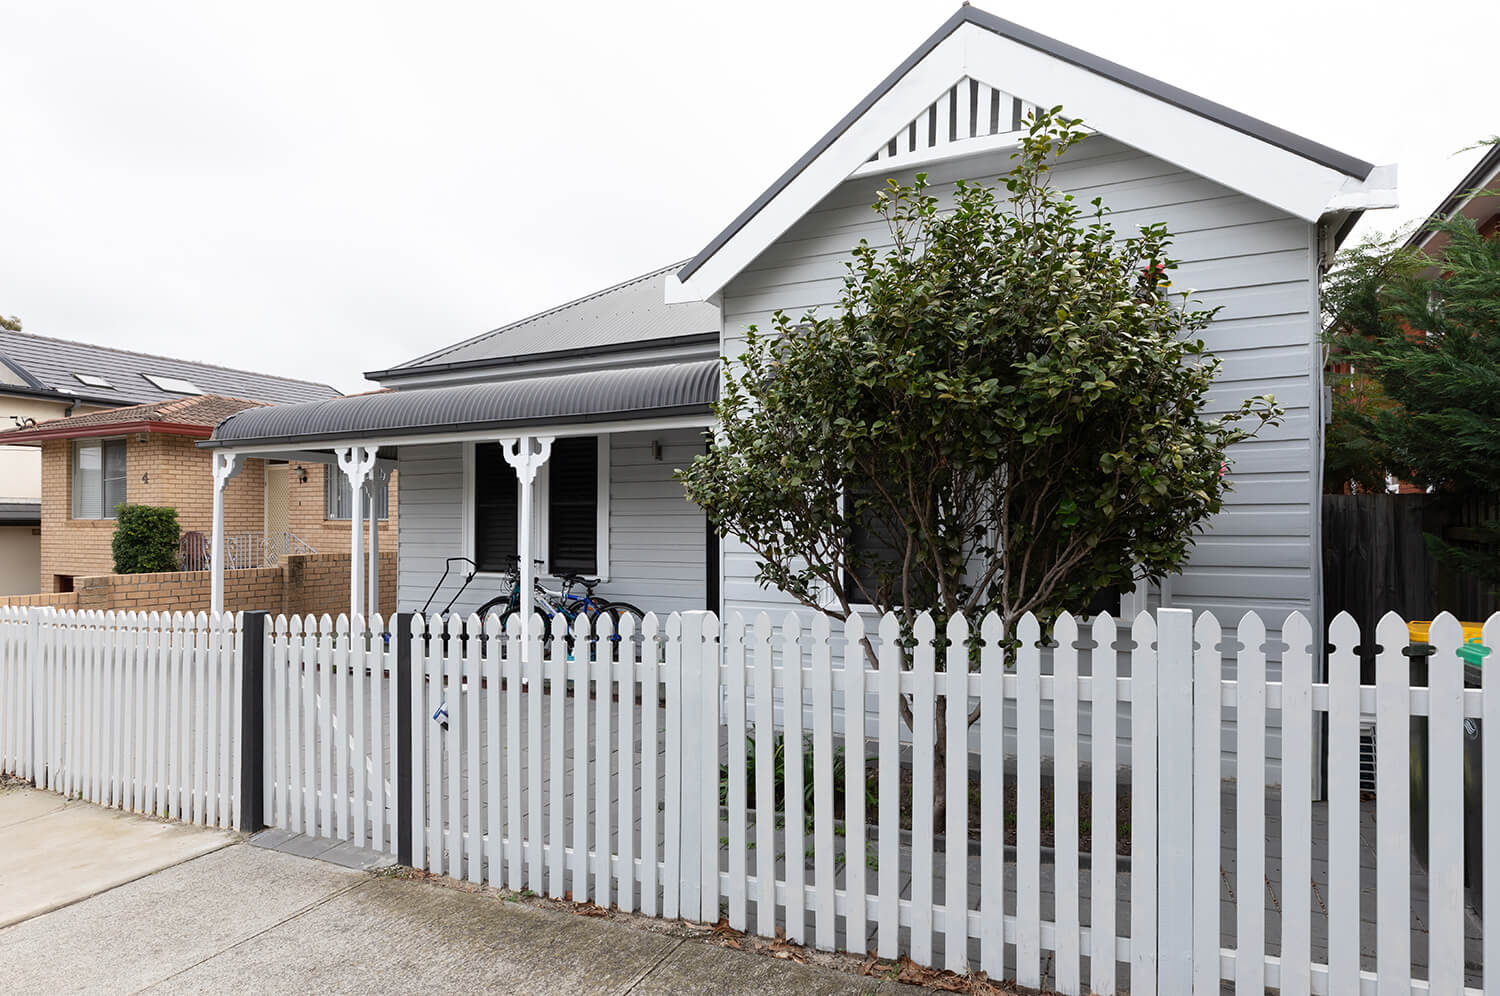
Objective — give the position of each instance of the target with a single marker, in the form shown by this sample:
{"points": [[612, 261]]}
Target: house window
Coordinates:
{"points": [[98, 478], [571, 503], [496, 499], [338, 498], [573, 506], [870, 539]]}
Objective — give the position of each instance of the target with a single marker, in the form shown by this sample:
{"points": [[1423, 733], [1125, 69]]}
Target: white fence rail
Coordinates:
{"points": [[795, 777], [130, 710]]}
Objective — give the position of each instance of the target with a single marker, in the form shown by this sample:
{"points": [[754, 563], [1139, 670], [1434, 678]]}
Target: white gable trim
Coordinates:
{"points": [[910, 96], [1240, 161]]}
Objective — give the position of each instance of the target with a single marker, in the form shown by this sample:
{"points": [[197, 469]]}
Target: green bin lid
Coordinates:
{"points": [[1473, 652]]}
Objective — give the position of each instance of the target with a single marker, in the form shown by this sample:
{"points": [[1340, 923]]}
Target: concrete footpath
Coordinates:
{"points": [[239, 918]]}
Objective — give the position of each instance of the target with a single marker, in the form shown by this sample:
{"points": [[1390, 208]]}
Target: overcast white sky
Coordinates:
{"points": [[317, 189]]}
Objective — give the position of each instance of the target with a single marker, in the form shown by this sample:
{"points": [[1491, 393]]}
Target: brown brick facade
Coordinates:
{"points": [[306, 506], [168, 470], [304, 585]]}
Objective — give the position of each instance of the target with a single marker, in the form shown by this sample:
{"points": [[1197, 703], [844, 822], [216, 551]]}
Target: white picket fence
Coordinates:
{"points": [[641, 772], [131, 710], [330, 759]]}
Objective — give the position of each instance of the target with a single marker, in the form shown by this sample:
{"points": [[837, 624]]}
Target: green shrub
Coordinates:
{"points": [[146, 539]]}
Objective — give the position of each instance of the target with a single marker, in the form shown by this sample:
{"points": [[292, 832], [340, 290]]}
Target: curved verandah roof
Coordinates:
{"points": [[594, 396]]}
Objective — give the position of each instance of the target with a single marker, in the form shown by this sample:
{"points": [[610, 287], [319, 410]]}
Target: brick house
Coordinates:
{"points": [[146, 455], [43, 378]]}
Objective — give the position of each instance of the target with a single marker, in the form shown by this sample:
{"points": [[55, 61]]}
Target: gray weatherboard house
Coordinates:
{"points": [[1255, 211]]}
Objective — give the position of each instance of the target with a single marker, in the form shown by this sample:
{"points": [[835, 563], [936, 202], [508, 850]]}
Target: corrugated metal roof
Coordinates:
{"points": [[53, 364], [631, 312], [591, 396]]}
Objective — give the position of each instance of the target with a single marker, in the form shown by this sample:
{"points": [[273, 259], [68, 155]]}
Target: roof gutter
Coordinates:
{"points": [[497, 426], [645, 345], [101, 429], [69, 398]]}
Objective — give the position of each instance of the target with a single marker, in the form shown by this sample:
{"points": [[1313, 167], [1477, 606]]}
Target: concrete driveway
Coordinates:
{"points": [[196, 915], [54, 852]]}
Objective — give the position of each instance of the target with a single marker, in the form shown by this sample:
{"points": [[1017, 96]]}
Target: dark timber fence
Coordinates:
{"points": [[1375, 560]]}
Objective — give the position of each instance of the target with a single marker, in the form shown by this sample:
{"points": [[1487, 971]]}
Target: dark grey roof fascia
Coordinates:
{"points": [[587, 397], [66, 396], [1227, 116], [20, 513], [643, 345], [1455, 200]]}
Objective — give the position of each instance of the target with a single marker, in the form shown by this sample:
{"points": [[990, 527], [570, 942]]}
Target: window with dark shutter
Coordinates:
{"points": [[872, 541], [496, 496], [573, 505]]}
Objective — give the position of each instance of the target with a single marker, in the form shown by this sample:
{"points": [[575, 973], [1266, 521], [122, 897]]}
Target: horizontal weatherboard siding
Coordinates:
{"points": [[657, 538]]}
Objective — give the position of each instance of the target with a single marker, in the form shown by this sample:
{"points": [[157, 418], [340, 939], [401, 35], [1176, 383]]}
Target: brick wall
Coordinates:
{"points": [[173, 471], [302, 584], [64, 600], [306, 508]]}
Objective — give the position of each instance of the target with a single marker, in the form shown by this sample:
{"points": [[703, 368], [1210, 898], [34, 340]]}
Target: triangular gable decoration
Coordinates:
{"points": [[967, 110]]}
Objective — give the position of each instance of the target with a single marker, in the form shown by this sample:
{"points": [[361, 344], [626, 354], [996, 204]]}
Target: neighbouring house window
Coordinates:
{"points": [[98, 478], [573, 505], [567, 508], [338, 498]]}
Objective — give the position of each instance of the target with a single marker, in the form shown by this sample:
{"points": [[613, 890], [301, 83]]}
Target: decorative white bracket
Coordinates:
{"points": [[526, 461], [356, 462], [226, 464]]}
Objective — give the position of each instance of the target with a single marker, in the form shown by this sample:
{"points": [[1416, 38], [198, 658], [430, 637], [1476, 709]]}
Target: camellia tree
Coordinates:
{"points": [[1005, 413]]}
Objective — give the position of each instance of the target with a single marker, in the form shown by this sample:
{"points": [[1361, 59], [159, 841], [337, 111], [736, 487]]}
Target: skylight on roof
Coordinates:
{"points": [[175, 385], [93, 380]]}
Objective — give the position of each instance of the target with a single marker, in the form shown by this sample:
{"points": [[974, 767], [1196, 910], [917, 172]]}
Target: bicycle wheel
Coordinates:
{"points": [[505, 620], [617, 610]]}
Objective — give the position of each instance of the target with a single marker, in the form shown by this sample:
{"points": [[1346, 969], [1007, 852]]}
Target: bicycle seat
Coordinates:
{"points": [[588, 583]]}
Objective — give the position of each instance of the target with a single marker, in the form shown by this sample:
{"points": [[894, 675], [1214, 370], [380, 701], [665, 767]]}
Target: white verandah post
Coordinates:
{"points": [[356, 463], [226, 463], [526, 462], [378, 477]]}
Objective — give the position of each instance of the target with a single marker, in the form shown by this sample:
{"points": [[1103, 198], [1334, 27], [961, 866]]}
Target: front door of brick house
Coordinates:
{"points": [[276, 505]]}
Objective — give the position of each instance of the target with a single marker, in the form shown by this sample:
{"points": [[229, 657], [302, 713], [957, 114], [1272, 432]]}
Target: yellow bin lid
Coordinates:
{"points": [[1418, 630]]}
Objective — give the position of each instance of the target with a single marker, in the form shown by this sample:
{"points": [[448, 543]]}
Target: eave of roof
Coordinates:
{"points": [[99, 430], [696, 339], [1460, 195], [1255, 128], [593, 396], [20, 513], [62, 397]]}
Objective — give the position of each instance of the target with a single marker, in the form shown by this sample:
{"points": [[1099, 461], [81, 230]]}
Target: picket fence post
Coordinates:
{"points": [[249, 809], [36, 759], [403, 801], [1174, 858], [688, 678]]}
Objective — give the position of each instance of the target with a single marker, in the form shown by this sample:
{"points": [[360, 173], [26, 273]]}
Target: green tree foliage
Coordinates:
{"points": [[1425, 333], [1007, 396], [12, 323], [146, 539]]}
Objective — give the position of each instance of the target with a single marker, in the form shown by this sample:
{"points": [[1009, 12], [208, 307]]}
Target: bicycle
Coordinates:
{"points": [[593, 605]]}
